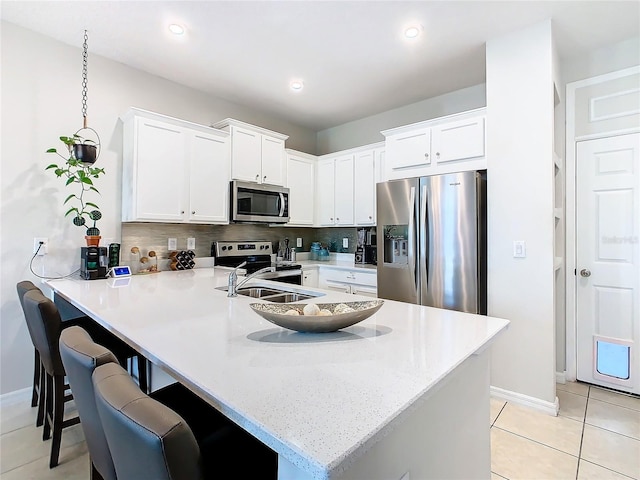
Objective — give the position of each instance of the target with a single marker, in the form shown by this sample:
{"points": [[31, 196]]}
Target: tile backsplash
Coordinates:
{"points": [[154, 236]]}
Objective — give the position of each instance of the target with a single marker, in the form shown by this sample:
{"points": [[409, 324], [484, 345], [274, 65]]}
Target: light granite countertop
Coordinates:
{"points": [[319, 400]]}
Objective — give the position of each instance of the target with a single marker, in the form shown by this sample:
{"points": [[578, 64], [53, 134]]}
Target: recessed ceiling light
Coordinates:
{"points": [[296, 85], [413, 31], [176, 29]]}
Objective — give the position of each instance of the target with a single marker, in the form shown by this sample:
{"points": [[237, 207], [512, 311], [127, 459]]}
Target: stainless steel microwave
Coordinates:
{"points": [[255, 202]]}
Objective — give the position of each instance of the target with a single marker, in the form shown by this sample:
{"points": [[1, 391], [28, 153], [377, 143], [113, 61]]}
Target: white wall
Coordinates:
{"points": [[41, 100], [367, 130], [520, 123]]}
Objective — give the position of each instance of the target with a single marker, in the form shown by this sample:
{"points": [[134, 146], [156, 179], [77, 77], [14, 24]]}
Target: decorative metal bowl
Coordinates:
{"points": [[358, 311]]}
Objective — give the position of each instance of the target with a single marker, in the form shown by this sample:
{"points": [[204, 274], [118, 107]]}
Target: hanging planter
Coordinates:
{"points": [[78, 168]]}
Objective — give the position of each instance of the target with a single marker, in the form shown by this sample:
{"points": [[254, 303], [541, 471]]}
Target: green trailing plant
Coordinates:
{"points": [[80, 175]]}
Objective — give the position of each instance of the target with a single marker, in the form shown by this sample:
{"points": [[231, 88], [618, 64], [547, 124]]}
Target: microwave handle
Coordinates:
{"points": [[281, 204]]}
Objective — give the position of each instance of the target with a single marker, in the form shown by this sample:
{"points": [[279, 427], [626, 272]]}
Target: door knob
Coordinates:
{"points": [[585, 273]]}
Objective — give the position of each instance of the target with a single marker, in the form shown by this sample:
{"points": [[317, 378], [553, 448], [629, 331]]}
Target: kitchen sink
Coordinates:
{"points": [[272, 294], [289, 297]]}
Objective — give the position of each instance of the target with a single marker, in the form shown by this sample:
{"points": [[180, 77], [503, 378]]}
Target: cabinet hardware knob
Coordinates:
{"points": [[331, 218], [585, 273], [337, 219], [257, 177], [182, 212], [193, 212], [264, 178], [370, 217], [438, 154], [426, 155]]}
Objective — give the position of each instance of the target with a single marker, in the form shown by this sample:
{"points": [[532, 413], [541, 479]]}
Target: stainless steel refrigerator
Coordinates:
{"points": [[432, 241]]}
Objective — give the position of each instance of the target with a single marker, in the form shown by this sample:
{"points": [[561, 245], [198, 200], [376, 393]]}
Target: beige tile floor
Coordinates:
{"points": [[595, 436]]}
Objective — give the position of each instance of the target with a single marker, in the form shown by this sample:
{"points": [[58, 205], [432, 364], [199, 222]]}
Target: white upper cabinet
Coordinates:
{"points": [[410, 149], [301, 183], [209, 179], [344, 193], [460, 140], [346, 186], [335, 191], [325, 192], [173, 170], [365, 188], [257, 154], [444, 145]]}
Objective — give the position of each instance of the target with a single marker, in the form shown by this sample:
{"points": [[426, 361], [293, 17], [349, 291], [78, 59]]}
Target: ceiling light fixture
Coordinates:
{"points": [[176, 29], [413, 32], [296, 85]]}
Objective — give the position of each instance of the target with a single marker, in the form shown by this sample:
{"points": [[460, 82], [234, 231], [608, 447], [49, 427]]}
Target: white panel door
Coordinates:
{"points": [[409, 149], [325, 189], [608, 262], [160, 171], [301, 183], [344, 190], [209, 179], [246, 155], [458, 140], [272, 161], [365, 188]]}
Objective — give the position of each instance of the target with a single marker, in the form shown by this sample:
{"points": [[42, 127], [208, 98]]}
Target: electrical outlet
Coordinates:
{"points": [[172, 244], [45, 245], [191, 243], [345, 242], [299, 242], [519, 249]]}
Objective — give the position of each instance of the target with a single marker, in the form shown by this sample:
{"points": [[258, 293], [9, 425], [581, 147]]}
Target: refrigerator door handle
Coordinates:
{"points": [[424, 235], [411, 247]]}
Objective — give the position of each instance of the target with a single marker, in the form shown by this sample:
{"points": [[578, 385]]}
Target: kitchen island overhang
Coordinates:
{"points": [[324, 402]]}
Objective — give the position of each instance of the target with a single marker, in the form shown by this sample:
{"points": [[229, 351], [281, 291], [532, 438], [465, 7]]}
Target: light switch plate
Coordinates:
{"points": [[191, 243], [172, 244], [519, 249], [299, 242], [345, 242]]}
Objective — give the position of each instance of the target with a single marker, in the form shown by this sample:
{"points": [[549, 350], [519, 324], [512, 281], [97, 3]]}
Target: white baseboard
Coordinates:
{"points": [[526, 401], [15, 397], [561, 377]]}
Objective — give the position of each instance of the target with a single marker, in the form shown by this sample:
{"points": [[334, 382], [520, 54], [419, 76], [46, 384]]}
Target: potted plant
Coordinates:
{"points": [[79, 172]]}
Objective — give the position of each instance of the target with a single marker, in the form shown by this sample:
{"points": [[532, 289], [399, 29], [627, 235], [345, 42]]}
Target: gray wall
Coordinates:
{"points": [[41, 100], [367, 130]]}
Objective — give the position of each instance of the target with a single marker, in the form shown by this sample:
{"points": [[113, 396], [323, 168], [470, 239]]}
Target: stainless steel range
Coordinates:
{"points": [[257, 254]]}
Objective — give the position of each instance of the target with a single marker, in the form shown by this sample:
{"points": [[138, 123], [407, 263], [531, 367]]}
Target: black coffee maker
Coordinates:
{"points": [[94, 262], [371, 248]]}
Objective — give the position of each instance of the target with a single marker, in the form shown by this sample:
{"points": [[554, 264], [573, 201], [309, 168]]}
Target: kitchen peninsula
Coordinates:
{"points": [[406, 390]]}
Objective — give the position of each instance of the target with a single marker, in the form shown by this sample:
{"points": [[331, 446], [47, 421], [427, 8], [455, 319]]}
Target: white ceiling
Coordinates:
{"points": [[350, 54]]}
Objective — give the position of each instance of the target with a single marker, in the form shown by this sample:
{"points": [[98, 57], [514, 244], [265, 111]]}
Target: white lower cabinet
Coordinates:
{"points": [[310, 277], [356, 282], [173, 171]]}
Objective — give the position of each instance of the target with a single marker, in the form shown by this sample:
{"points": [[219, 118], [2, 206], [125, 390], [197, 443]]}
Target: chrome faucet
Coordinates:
{"points": [[233, 285]]}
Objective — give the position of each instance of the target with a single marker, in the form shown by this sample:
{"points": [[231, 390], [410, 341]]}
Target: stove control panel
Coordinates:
{"points": [[240, 249]]}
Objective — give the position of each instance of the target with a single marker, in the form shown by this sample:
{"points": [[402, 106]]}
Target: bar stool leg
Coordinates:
{"points": [[57, 418], [48, 409], [35, 391], [42, 393]]}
